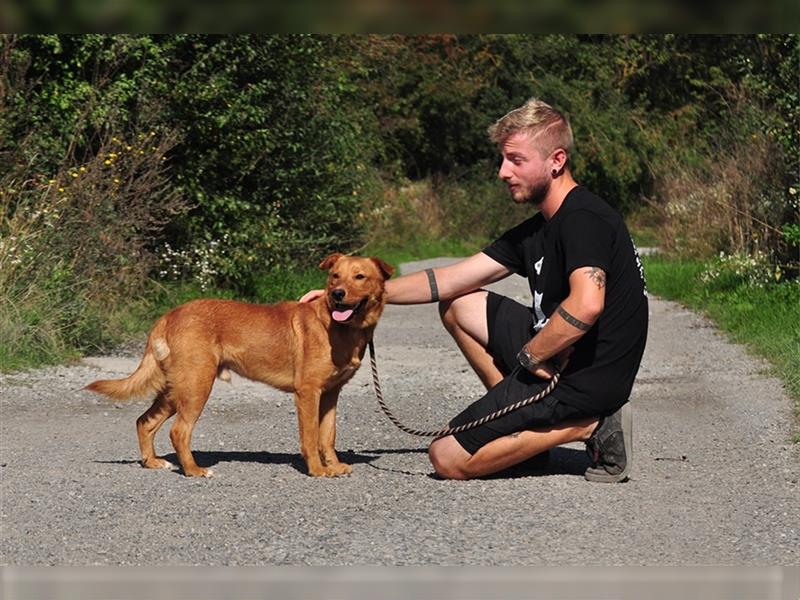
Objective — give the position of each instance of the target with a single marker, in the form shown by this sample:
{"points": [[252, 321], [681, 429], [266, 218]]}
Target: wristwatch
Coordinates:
{"points": [[527, 360]]}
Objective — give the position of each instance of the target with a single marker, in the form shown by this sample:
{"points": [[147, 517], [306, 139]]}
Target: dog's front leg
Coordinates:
{"points": [[307, 401], [327, 435]]}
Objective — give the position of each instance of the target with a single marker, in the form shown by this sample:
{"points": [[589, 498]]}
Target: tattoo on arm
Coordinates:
{"points": [[577, 323], [433, 285], [597, 275]]}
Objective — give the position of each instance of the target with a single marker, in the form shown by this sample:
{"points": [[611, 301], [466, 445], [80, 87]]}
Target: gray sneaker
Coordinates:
{"points": [[610, 448]]}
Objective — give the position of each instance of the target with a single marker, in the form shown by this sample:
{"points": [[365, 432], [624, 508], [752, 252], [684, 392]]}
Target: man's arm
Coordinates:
{"points": [[453, 280], [573, 317]]}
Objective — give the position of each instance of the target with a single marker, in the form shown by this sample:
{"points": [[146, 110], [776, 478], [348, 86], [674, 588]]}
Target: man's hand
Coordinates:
{"points": [[312, 295], [546, 370]]}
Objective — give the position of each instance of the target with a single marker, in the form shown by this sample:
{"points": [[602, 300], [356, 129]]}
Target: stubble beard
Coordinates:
{"points": [[537, 193]]}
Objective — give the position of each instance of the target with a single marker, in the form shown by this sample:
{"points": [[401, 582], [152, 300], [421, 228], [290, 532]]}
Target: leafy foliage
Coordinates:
{"points": [[280, 148], [269, 156]]}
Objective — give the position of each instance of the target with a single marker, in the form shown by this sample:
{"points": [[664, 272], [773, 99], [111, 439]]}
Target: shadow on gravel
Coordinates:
{"points": [[398, 451], [560, 461], [209, 459]]}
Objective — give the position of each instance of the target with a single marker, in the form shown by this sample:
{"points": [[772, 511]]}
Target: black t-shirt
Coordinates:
{"points": [[585, 232]]}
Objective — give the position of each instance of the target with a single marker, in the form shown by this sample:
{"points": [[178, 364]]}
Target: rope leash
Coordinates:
{"points": [[451, 430]]}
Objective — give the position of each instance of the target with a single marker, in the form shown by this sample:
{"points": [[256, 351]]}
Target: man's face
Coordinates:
{"points": [[524, 170]]}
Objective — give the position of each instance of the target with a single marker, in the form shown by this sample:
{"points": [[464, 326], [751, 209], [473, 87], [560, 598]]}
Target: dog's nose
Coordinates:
{"points": [[338, 294]]}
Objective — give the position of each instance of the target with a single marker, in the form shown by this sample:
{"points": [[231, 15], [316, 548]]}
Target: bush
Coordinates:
{"points": [[285, 147], [465, 212], [270, 148], [75, 246], [272, 152], [729, 203]]}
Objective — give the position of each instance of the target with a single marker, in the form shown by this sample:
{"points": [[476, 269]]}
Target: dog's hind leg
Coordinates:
{"points": [[190, 396], [327, 435], [146, 427]]}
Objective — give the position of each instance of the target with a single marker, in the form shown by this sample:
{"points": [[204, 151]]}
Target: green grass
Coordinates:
{"points": [[764, 319], [36, 334], [42, 331]]}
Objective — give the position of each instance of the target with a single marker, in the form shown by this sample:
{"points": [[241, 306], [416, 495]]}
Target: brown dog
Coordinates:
{"points": [[310, 349]]}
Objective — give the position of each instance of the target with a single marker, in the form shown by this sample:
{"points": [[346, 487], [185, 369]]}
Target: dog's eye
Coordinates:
{"points": [[335, 275], [361, 276]]}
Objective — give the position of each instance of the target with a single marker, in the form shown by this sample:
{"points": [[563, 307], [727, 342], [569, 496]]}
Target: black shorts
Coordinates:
{"points": [[510, 328]]}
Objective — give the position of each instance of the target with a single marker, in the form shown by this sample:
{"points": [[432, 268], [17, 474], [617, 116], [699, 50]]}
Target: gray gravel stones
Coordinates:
{"points": [[715, 480]]}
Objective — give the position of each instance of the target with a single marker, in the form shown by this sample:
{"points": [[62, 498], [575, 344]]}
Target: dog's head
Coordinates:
{"points": [[355, 288]]}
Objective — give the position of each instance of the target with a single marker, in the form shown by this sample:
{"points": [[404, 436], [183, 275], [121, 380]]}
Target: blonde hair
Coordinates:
{"points": [[547, 128]]}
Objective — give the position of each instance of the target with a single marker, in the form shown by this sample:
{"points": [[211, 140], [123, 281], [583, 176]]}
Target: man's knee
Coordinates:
{"points": [[463, 311], [448, 458]]}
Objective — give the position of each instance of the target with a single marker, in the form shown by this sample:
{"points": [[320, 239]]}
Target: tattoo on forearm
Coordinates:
{"points": [[577, 323], [597, 275]]}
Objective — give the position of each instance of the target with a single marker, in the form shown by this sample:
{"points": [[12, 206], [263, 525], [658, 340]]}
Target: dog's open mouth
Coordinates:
{"points": [[342, 312]]}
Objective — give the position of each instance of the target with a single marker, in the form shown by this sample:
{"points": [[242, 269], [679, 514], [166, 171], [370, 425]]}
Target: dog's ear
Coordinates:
{"points": [[386, 269], [330, 260]]}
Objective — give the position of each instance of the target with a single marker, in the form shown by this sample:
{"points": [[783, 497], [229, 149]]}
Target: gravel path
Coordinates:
{"points": [[715, 478]]}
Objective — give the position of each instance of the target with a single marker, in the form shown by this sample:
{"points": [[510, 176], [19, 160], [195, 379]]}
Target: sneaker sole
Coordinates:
{"points": [[600, 475]]}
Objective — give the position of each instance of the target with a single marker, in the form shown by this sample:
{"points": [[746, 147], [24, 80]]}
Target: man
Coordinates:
{"points": [[589, 315]]}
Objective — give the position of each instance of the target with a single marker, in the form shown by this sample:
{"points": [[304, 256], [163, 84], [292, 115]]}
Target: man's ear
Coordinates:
{"points": [[330, 260], [560, 158], [386, 269]]}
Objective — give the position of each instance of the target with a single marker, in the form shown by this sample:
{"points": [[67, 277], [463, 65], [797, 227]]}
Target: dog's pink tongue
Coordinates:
{"points": [[342, 315]]}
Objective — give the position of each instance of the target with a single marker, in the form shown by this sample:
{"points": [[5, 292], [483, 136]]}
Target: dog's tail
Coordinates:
{"points": [[148, 378]]}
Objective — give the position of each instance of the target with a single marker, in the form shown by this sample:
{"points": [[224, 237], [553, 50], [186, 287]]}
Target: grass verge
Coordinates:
{"points": [[764, 319]]}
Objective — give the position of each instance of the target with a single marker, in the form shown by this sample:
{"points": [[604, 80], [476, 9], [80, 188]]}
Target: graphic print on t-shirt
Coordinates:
{"points": [[539, 318], [640, 266]]}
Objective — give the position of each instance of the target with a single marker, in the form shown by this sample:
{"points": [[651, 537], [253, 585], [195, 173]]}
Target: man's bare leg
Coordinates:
{"points": [[451, 461], [465, 319]]}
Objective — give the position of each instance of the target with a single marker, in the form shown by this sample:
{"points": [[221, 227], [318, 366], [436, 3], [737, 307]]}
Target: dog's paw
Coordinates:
{"points": [[199, 472], [159, 463], [338, 470]]}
